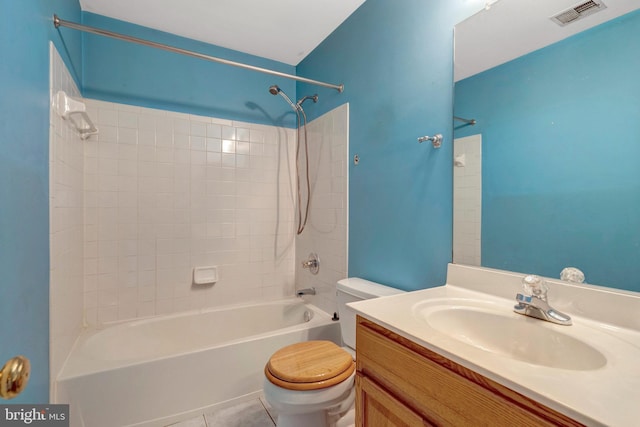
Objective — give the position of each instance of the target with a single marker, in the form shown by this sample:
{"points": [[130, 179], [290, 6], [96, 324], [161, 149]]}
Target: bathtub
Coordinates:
{"points": [[158, 371]]}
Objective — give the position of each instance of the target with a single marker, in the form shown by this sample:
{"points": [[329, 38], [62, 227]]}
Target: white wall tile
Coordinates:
{"points": [[107, 117], [467, 207], [167, 192], [325, 233], [127, 119], [67, 243], [228, 132]]}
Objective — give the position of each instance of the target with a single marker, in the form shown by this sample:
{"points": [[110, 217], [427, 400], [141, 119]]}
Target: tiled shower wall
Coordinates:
{"points": [[326, 229], [66, 163], [467, 200], [155, 193], [165, 192]]}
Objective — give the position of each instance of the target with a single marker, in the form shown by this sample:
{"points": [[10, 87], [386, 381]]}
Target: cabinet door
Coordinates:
{"points": [[377, 408]]}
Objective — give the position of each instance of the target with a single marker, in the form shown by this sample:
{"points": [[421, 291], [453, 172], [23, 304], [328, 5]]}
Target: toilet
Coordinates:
{"points": [[311, 383]]}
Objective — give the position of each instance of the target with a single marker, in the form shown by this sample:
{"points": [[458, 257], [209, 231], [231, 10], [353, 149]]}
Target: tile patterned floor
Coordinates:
{"points": [[254, 413]]}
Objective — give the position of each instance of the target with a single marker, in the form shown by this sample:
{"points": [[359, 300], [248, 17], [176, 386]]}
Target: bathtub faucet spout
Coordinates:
{"points": [[306, 291]]}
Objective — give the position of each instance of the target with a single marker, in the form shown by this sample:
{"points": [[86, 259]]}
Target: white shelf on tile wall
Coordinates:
{"points": [[69, 108]]}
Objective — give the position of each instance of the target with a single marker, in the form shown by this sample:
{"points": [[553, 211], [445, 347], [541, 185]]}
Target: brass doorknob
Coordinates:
{"points": [[14, 377]]}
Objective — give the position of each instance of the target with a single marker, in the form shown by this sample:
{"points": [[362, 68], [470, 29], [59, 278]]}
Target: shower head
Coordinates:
{"points": [[275, 90]]}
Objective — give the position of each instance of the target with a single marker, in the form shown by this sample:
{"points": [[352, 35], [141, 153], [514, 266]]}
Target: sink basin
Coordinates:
{"points": [[588, 371], [512, 335]]}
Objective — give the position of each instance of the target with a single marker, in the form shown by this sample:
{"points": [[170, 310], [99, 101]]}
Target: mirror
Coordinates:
{"points": [[549, 176]]}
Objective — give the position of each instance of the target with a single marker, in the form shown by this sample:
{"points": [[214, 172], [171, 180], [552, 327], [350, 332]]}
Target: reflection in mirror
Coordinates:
{"points": [[560, 155]]}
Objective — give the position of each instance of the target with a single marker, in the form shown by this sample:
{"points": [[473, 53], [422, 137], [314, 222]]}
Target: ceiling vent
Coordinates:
{"points": [[578, 12]]}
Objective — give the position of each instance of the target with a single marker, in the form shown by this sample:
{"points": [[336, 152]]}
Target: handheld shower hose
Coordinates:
{"points": [[297, 107]]}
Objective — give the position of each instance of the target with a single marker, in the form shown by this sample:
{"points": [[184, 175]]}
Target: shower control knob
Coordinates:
{"points": [[313, 263]]}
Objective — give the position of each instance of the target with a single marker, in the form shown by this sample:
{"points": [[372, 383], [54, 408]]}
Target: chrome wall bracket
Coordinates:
{"points": [[436, 140]]}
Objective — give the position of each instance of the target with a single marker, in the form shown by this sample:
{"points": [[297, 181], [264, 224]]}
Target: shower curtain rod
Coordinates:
{"points": [[468, 121], [57, 22]]}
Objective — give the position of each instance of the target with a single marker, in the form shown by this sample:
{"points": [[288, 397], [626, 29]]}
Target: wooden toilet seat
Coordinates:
{"points": [[309, 365]]}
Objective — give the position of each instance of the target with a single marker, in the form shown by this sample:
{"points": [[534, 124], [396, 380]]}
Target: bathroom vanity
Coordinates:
{"points": [[401, 383], [458, 355]]}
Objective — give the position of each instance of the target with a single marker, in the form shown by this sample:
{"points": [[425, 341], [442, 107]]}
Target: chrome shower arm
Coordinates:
{"points": [[301, 100]]}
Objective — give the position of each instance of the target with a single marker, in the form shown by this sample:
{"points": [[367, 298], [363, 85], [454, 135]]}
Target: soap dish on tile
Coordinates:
{"points": [[205, 275]]}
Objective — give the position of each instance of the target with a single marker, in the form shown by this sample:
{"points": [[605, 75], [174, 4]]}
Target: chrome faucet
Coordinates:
{"points": [[534, 302], [306, 291]]}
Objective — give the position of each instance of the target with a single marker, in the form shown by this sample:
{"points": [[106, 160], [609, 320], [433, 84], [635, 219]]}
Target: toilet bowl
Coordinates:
{"points": [[311, 383]]}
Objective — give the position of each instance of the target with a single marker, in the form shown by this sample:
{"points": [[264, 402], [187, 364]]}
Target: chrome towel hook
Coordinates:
{"points": [[436, 140]]}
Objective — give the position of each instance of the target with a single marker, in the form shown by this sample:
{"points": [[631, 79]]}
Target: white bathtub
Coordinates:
{"points": [[158, 371]]}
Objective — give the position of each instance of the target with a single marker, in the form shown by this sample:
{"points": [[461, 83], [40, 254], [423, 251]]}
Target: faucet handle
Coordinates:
{"points": [[535, 286], [526, 299], [572, 274], [312, 263]]}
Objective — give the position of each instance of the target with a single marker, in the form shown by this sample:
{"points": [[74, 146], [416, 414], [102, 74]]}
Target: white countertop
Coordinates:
{"points": [[606, 396]]}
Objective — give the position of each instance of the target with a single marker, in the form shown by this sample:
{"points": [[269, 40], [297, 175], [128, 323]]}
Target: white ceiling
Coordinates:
{"points": [[512, 28], [282, 30]]}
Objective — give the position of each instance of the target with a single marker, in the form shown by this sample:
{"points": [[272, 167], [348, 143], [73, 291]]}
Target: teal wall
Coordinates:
{"points": [[25, 31], [395, 59], [561, 142], [119, 71]]}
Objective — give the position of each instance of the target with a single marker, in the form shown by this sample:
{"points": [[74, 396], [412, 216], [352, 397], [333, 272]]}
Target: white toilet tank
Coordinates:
{"points": [[351, 290]]}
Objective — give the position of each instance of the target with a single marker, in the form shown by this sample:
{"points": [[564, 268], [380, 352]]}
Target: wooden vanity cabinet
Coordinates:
{"points": [[400, 383]]}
